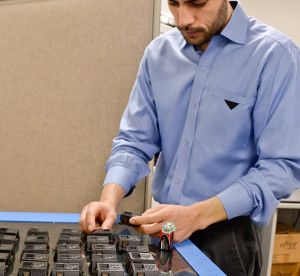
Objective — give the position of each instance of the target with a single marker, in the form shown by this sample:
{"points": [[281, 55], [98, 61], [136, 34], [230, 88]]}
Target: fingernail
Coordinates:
{"points": [[90, 228]]}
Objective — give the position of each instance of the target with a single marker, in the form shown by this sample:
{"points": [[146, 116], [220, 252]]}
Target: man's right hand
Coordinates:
{"points": [[97, 215], [102, 214]]}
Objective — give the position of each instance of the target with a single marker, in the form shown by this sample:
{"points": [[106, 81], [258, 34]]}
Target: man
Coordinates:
{"points": [[219, 98]]}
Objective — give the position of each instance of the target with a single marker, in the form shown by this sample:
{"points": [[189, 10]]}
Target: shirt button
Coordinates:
{"points": [[186, 142], [177, 181], [193, 106], [203, 68]]}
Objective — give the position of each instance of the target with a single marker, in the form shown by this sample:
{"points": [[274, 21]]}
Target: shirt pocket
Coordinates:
{"points": [[225, 119]]}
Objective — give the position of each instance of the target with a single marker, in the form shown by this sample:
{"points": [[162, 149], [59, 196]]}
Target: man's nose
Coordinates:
{"points": [[186, 17]]}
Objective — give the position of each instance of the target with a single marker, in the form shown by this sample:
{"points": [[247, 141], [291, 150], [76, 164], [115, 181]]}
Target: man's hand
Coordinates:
{"points": [[153, 219], [102, 214], [187, 219], [97, 215]]}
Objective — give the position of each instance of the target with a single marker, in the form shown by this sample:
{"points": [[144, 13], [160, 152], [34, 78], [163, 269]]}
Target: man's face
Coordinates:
{"points": [[200, 20]]}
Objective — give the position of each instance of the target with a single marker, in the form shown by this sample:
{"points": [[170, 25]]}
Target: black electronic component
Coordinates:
{"points": [[35, 248], [7, 259], [101, 258], [92, 240], [125, 217], [70, 258], [10, 231], [2, 269], [65, 269], [136, 257], [34, 231], [104, 249], [140, 269], [110, 269], [69, 239], [103, 232], [36, 239], [66, 249], [125, 240], [4, 257], [137, 248], [33, 268], [35, 257], [7, 248], [8, 239], [71, 231]]}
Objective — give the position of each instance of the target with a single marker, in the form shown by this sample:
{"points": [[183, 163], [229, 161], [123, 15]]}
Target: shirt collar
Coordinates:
{"points": [[236, 28]]}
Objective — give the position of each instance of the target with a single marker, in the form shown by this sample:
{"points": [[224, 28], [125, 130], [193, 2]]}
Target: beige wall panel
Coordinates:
{"points": [[283, 15], [66, 71]]}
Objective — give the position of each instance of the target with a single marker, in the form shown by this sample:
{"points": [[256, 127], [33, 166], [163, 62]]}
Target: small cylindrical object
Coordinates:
{"points": [[166, 236]]}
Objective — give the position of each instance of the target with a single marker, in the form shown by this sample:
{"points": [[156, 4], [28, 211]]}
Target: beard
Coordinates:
{"points": [[205, 35]]}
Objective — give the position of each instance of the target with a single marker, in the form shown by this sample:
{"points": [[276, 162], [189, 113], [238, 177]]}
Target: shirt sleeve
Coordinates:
{"points": [[138, 140], [276, 127]]}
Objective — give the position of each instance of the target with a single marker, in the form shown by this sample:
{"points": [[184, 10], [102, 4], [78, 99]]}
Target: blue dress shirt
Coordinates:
{"points": [[226, 122]]}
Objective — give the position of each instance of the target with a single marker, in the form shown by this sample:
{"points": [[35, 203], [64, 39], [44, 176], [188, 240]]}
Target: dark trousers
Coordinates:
{"points": [[233, 245]]}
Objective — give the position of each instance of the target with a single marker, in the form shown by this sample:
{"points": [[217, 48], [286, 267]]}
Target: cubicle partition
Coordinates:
{"points": [[66, 71]]}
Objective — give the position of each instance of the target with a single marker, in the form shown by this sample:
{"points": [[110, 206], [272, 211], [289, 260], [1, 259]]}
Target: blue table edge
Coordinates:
{"points": [[201, 264]]}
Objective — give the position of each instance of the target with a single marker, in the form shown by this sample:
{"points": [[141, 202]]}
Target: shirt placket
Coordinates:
{"points": [[188, 135]]}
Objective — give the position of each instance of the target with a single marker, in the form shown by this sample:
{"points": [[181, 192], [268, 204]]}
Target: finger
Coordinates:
{"points": [[147, 219], [138, 229], [155, 235], [91, 217], [153, 210], [109, 222], [151, 229], [82, 221]]}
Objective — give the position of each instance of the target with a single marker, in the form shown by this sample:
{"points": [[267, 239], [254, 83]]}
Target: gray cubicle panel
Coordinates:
{"points": [[66, 70]]}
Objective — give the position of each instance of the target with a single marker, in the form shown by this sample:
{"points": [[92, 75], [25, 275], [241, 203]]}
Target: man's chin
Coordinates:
{"points": [[195, 40]]}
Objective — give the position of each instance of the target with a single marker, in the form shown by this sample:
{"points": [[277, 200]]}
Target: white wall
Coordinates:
{"points": [[283, 15], [164, 6]]}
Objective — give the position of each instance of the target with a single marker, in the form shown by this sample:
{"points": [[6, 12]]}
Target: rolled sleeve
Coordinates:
{"points": [[121, 176], [236, 200]]}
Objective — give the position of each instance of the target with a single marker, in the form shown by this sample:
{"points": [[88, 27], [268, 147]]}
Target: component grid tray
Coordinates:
{"points": [[149, 261]]}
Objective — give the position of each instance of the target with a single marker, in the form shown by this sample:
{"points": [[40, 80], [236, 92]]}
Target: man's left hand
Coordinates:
{"points": [[187, 219]]}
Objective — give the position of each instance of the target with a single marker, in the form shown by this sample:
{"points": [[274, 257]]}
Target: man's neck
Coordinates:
{"points": [[230, 10]]}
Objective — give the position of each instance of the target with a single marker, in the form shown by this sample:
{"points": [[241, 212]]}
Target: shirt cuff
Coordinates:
{"points": [[236, 200], [121, 176]]}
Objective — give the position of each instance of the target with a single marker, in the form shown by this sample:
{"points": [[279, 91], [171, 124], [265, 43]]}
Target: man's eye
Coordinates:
{"points": [[198, 3], [173, 3]]}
